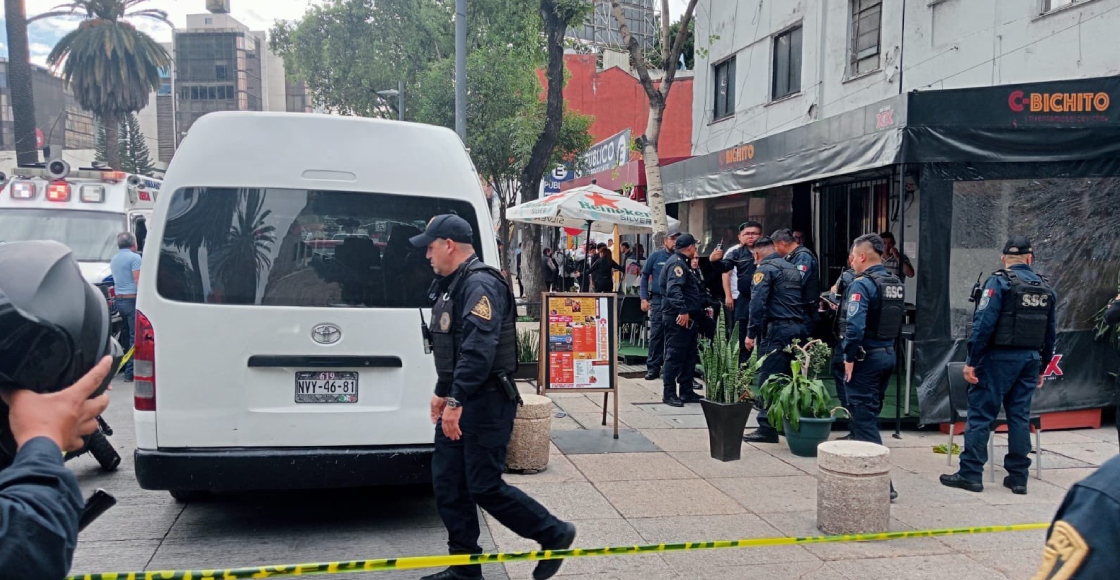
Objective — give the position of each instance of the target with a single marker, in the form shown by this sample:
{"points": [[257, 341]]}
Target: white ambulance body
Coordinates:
{"points": [[84, 209]]}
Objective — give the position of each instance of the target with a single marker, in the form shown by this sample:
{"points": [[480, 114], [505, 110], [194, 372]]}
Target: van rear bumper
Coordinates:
{"points": [[234, 469]]}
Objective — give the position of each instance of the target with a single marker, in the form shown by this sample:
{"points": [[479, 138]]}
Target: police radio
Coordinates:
{"points": [[425, 332], [977, 289]]}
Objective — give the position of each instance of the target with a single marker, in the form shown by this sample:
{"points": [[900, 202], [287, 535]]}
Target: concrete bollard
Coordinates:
{"points": [[853, 488], [532, 429]]}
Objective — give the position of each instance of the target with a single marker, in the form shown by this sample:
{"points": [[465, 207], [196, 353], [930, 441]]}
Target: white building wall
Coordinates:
{"points": [[948, 44]]}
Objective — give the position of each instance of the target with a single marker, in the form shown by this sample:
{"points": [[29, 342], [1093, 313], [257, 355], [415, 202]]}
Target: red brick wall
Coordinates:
{"points": [[617, 101]]}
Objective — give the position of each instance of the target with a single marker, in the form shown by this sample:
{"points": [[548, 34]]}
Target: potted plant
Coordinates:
{"points": [[528, 353], [728, 397], [801, 400]]}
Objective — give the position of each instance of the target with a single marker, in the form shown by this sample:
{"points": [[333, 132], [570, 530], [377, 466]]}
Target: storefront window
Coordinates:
{"points": [[1072, 225], [723, 215]]}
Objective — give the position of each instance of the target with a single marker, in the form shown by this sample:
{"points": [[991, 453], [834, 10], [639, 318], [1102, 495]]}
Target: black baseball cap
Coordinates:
{"points": [[446, 226], [1017, 246], [684, 241]]}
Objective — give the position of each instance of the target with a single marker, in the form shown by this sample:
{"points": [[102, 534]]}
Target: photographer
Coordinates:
{"points": [[39, 498]]}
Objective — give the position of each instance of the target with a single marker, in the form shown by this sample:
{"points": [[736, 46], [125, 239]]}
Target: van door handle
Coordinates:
{"points": [[324, 362]]}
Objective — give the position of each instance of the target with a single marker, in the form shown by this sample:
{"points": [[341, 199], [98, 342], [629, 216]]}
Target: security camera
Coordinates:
{"points": [[134, 181], [58, 169]]}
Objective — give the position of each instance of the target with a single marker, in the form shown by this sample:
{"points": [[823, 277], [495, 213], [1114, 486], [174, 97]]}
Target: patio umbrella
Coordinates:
{"points": [[590, 207]]}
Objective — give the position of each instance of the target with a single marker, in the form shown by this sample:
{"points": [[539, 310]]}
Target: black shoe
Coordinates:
{"points": [[653, 375], [955, 480], [1017, 489], [548, 568], [697, 387], [672, 401], [894, 494], [451, 574], [761, 436], [691, 398], [128, 379]]}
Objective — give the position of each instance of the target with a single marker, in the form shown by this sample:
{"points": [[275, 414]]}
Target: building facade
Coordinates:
{"points": [[600, 30], [58, 117], [951, 123]]}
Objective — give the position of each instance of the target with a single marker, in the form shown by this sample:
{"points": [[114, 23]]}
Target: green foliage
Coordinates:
{"points": [[132, 147], [528, 345], [689, 49], [801, 393], [725, 380]]}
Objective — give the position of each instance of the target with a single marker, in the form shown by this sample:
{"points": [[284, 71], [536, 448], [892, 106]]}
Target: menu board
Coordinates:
{"points": [[579, 341]]}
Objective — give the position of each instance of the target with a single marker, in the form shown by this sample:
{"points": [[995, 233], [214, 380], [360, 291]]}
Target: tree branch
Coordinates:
{"points": [[636, 55], [678, 46]]}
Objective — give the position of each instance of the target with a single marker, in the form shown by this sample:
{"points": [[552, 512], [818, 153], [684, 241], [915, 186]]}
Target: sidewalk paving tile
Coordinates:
{"points": [[1095, 453], [804, 523], [559, 470], [635, 418], [1064, 478], [589, 534], [601, 440], [798, 570], [631, 467], [1051, 458], [650, 499], [679, 439], [717, 527], [981, 515], [763, 495], [922, 460], [925, 490], [752, 463], [1012, 563], [1037, 492], [955, 566], [96, 556], [1057, 437], [571, 501], [687, 421]]}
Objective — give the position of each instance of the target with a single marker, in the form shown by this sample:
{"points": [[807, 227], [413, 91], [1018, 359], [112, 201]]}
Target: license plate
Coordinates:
{"points": [[326, 387]]}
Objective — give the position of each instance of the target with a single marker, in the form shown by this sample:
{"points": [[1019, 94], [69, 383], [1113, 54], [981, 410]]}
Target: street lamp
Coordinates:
{"points": [[399, 94]]}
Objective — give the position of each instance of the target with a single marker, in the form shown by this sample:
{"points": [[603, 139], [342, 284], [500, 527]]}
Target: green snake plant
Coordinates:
{"points": [[725, 380]]}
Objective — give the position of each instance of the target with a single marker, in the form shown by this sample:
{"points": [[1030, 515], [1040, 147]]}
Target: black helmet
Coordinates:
{"points": [[54, 326]]}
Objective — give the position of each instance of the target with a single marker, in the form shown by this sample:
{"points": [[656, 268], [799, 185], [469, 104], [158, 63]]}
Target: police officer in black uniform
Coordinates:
{"points": [[777, 318], [870, 322], [1081, 543], [1013, 330], [806, 263], [652, 292], [836, 297], [473, 334], [681, 316]]}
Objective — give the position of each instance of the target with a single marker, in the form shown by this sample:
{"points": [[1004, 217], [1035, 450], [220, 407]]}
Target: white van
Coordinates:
{"points": [[279, 339]]}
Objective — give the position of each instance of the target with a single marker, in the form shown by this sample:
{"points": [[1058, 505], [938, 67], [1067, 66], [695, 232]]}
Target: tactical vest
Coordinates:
{"points": [[448, 332], [885, 312], [1024, 313], [788, 277]]}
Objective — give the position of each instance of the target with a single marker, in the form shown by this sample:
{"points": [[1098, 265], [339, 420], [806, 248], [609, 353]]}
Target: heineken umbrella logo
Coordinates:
{"points": [[602, 202]]}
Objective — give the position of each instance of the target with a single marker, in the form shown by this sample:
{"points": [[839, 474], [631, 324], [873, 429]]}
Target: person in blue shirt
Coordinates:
{"points": [[1013, 329], [652, 292], [40, 501], [740, 261], [776, 320], [125, 268]]}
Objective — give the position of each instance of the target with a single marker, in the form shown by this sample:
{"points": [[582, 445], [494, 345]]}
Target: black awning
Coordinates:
{"points": [[1028, 122]]}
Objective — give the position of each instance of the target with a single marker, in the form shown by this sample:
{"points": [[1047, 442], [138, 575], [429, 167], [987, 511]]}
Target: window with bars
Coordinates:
{"points": [[724, 75], [865, 46], [787, 64]]}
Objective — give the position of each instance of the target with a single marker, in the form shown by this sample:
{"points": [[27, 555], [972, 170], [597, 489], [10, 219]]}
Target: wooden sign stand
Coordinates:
{"points": [[606, 306]]}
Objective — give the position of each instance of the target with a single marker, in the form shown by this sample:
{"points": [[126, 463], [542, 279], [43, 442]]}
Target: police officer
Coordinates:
{"points": [[806, 263], [681, 315], [838, 292], [473, 335], [870, 322], [740, 259], [1081, 543], [652, 293], [1013, 329], [776, 320]]}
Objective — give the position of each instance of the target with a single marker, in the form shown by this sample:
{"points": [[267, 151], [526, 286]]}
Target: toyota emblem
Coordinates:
{"points": [[326, 334]]}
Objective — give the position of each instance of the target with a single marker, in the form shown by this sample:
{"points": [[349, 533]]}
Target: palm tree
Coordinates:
{"points": [[246, 254], [111, 66], [19, 79]]}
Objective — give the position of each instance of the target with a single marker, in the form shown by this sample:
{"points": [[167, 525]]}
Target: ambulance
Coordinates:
{"points": [[82, 208]]}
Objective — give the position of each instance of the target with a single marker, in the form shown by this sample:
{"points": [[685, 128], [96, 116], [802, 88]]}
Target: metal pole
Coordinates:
{"points": [[461, 69], [902, 270], [400, 100]]}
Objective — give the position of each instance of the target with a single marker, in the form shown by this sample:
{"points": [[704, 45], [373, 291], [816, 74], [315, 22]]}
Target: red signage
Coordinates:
{"points": [[1058, 102]]}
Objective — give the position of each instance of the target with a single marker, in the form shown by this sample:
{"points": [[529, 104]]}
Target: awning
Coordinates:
{"points": [[1028, 122]]}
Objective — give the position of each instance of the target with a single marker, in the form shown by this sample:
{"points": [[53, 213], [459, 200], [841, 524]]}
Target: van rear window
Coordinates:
{"points": [[292, 247]]}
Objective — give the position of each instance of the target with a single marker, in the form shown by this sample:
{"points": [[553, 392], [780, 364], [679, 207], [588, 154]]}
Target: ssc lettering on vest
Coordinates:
{"points": [[893, 292], [1036, 300]]}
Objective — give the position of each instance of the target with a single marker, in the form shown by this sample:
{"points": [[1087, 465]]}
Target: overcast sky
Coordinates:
{"points": [[256, 14]]}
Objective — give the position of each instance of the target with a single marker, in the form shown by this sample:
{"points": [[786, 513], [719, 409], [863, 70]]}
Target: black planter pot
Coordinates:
{"points": [[526, 371], [725, 428]]}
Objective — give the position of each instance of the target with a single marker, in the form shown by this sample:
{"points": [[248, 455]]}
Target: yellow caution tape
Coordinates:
{"points": [[414, 562], [125, 359]]}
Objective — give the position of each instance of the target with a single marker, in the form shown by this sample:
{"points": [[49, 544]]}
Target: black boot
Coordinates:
{"points": [[1017, 489], [672, 401], [548, 568], [761, 436], [688, 396], [955, 480], [653, 374]]}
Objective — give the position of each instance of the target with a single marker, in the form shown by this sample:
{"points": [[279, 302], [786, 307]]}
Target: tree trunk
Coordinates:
{"points": [[19, 79], [655, 197], [555, 27], [113, 140]]}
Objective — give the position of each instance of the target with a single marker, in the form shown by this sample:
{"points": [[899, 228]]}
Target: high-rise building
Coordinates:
{"points": [[59, 119], [601, 28]]}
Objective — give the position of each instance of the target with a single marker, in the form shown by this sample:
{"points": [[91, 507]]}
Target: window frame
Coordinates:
{"points": [[856, 14], [791, 90], [726, 65]]}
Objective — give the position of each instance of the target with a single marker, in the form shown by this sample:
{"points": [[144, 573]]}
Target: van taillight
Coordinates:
{"points": [[144, 364]]}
